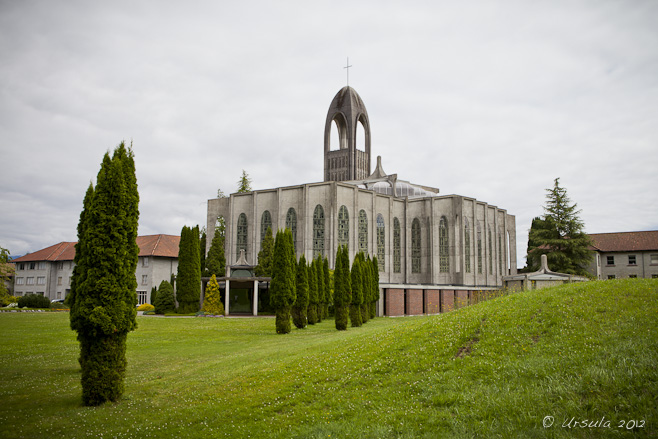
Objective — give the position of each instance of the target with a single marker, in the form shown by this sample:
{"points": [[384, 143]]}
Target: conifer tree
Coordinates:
{"points": [[299, 309], [375, 287], [366, 287], [244, 183], [188, 280], [265, 255], [282, 288], [212, 302], [165, 300], [327, 287], [216, 260], [342, 288], [357, 292], [103, 296], [318, 284], [312, 295], [154, 294]]}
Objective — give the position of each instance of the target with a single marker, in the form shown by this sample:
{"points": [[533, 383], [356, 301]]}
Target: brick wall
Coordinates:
{"points": [[414, 302], [461, 298], [447, 300], [432, 301], [394, 302]]}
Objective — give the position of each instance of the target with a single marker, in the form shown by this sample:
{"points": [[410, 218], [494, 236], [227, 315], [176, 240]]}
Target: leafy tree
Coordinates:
{"points": [[342, 288], [244, 183], [312, 295], [104, 286], [188, 280], [560, 236], [212, 302], [220, 193], [216, 260], [357, 292], [165, 301], [5, 272], [282, 288], [299, 309], [265, 256]]}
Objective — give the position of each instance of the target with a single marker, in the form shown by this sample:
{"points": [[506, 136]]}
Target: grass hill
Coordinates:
{"points": [[581, 353]]}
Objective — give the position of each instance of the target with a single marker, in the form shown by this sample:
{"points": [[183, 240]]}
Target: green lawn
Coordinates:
{"points": [[496, 369]]}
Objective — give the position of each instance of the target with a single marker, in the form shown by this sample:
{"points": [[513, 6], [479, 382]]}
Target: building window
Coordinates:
{"points": [[59, 280], [145, 261], [444, 263], [611, 276], [141, 297], [242, 235], [265, 223], [42, 265], [363, 231], [60, 265], [479, 244], [610, 260], [145, 279], [415, 246], [654, 276], [59, 294], [30, 281], [343, 227], [632, 260], [467, 247], [654, 259], [381, 242], [32, 265], [397, 259], [20, 266], [500, 254], [291, 223], [318, 232], [632, 276], [20, 281], [490, 253]]}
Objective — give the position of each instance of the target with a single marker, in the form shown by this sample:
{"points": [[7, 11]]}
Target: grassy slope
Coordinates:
{"points": [[491, 370]]}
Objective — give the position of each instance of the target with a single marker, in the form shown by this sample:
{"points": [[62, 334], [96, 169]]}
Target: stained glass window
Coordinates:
{"points": [[318, 231], [490, 253], [467, 246], [265, 223], [415, 246], [242, 235], [343, 227], [479, 243], [397, 260], [363, 231], [444, 262], [381, 242], [291, 223]]}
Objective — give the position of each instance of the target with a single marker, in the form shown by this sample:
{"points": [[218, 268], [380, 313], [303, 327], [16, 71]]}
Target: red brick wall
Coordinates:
{"points": [[414, 302], [447, 300], [394, 302], [432, 301], [461, 297]]}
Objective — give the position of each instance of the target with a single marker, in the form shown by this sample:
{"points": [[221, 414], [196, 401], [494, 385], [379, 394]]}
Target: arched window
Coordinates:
{"points": [[291, 223], [363, 231], [265, 223], [415, 246], [467, 246], [490, 253], [242, 235], [444, 262], [479, 243], [500, 254], [318, 232], [381, 242], [343, 227], [397, 259]]}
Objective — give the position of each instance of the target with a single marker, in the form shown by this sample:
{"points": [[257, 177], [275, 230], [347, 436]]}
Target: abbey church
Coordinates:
{"points": [[429, 246]]}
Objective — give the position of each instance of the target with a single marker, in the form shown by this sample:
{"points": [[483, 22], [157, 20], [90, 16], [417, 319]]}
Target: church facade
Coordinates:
{"points": [[427, 245]]}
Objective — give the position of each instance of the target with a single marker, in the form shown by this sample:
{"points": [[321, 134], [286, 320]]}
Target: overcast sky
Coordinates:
{"points": [[487, 99]]}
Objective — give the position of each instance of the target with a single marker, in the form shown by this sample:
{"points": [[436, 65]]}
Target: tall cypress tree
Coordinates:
{"points": [[188, 280], [342, 288], [375, 287], [366, 288], [322, 299], [265, 255], [312, 295], [103, 285], [282, 288], [327, 287], [357, 292], [216, 260], [299, 309]]}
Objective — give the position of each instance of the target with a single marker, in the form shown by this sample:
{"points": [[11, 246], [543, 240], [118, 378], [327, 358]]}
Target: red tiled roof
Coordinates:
{"points": [[165, 246], [625, 241]]}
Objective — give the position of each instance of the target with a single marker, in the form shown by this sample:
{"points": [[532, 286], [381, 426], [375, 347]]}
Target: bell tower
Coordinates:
{"points": [[347, 162]]}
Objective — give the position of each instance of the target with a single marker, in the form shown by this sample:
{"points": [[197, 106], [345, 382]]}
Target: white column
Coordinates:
{"points": [[227, 295], [255, 306]]}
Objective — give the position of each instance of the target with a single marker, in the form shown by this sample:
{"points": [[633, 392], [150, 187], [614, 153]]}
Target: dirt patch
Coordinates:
{"points": [[466, 349]]}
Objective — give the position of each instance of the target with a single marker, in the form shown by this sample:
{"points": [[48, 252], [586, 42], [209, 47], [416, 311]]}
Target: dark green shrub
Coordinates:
{"points": [[33, 301], [282, 288], [299, 309], [164, 300]]}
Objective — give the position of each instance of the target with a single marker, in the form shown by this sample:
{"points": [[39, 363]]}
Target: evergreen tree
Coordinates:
{"points": [[154, 294], [188, 280], [357, 292], [212, 302], [318, 285], [244, 183], [342, 288], [312, 295], [165, 301], [327, 287], [202, 252], [104, 286], [216, 260], [265, 256], [282, 288], [366, 288], [561, 236], [299, 309], [375, 287]]}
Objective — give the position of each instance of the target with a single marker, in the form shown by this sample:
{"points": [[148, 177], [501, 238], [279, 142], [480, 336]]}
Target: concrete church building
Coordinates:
{"points": [[433, 250]]}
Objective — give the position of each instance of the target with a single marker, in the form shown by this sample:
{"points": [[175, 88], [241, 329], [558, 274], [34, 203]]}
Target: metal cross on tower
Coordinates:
{"points": [[347, 67]]}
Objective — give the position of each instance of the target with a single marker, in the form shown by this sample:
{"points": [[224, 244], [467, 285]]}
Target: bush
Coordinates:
{"points": [[6, 300], [33, 301], [164, 301], [145, 307], [58, 305]]}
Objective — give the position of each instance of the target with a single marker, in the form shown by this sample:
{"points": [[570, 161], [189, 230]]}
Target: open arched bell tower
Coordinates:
{"points": [[346, 163]]}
